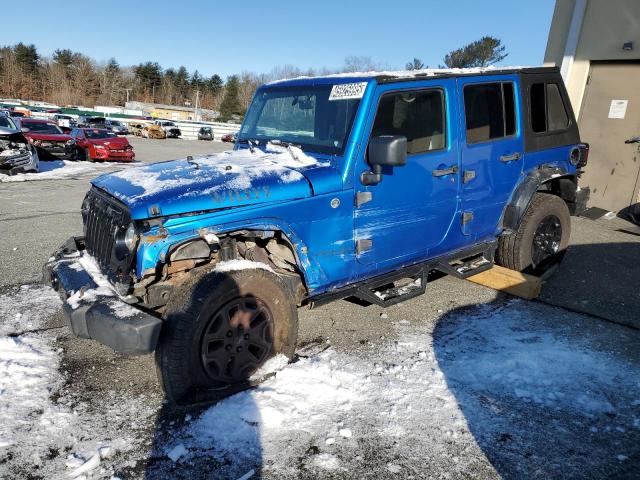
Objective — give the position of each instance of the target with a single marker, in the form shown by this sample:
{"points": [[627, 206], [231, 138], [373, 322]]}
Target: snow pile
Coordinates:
{"points": [[39, 423], [240, 264], [26, 308], [27, 377], [502, 355], [281, 415], [104, 288], [62, 169]]}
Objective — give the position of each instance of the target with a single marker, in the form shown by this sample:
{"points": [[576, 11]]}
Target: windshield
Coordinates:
{"points": [[302, 116], [99, 134], [42, 127], [6, 122]]}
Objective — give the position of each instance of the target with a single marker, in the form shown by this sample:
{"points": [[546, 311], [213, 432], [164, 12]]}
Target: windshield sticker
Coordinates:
{"points": [[347, 91]]}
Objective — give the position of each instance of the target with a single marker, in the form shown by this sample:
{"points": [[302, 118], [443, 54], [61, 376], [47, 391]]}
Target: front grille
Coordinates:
{"points": [[104, 217]]}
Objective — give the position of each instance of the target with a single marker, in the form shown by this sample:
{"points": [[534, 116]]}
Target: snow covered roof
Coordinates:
{"points": [[387, 75]]}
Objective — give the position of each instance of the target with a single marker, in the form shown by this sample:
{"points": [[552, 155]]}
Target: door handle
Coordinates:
{"points": [[445, 171], [510, 158]]}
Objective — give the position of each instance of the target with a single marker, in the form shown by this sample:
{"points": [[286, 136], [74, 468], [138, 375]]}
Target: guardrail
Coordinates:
{"points": [[189, 130]]}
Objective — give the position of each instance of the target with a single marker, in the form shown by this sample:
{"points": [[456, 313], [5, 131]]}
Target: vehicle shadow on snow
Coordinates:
{"points": [[209, 436], [545, 392]]}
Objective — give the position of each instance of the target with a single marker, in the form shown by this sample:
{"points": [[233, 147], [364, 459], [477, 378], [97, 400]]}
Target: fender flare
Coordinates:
{"points": [[523, 194]]}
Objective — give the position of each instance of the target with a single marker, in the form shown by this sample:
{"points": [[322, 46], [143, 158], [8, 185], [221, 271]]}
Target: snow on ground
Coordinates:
{"points": [[495, 382], [513, 389], [62, 169], [43, 432]]}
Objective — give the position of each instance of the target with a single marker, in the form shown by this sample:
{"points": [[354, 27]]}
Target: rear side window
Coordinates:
{"points": [[490, 111], [548, 112], [419, 116]]}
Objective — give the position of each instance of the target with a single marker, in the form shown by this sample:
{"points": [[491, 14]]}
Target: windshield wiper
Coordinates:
{"points": [[288, 146]]}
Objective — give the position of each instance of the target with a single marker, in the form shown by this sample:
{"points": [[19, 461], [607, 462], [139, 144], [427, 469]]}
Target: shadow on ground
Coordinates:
{"points": [[601, 279], [545, 394]]}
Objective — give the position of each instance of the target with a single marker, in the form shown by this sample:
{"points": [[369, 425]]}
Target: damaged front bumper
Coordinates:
{"points": [[98, 317]]}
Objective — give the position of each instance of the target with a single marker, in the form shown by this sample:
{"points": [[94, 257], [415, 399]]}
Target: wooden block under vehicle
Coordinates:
{"points": [[509, 281]]}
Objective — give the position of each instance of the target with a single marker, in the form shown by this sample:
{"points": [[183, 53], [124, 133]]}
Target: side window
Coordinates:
{"points": [[417, 115], [558, 118], [548, 112], [490, 111]]}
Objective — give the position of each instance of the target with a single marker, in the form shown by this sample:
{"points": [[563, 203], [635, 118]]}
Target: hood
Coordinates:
{"points": [[111, 142], [48, 137], [230, 179]]}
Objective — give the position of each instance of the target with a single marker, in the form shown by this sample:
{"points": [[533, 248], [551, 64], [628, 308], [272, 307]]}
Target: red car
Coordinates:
{"points": [[46, 136], [99, 144]]}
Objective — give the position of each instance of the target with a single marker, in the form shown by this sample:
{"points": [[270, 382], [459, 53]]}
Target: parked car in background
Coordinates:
{"points": [[45, 135], [116, 127], [170, 129], [16, 114], [92, 122], [229, 137], [205, 133], [17, 155], [64, 120], [6, 121], [98, 144], [136, 129], [153, 131]]}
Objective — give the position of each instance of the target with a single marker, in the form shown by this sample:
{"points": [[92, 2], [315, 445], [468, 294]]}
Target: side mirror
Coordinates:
{"points": [[384, 151]]}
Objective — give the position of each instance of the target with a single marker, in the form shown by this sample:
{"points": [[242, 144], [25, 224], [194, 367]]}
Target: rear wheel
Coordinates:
{"points": [[219, 329], [542, 238]]}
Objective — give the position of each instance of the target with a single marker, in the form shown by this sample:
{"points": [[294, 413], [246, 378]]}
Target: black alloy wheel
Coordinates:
{"points": [[237, 339], [546, 239]]}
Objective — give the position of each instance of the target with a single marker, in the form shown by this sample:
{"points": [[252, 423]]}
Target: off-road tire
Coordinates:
{"points": [[180, 369], [515, 250]]}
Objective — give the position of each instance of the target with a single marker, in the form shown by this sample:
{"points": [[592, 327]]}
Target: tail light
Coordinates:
{"points": [[579, 155]]}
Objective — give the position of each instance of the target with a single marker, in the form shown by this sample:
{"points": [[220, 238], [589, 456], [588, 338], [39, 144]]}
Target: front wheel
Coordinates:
{"points": [[542, 238], [219, 329]]}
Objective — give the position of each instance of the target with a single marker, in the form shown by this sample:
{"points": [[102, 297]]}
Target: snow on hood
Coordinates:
{"points": [[229, 179]]}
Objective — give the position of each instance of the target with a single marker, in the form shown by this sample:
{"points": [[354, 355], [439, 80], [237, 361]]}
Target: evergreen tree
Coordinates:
{"points": [[481, 53], [27, 57], [415, 64], [230, 105]]}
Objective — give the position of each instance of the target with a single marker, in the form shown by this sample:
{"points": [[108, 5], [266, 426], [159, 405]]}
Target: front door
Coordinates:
{"points": [[408, 214], [610, 116], [492, 152]]}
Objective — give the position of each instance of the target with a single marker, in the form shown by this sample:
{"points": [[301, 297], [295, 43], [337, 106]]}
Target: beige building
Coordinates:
{"points": [[596, 44]]}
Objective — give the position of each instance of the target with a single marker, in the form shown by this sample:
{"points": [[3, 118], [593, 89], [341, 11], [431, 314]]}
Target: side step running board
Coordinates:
{"points": [[468, 266], [385, 297]]}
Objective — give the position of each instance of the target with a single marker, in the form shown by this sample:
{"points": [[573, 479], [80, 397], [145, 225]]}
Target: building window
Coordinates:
{"points": [[418, 115], [489, 111], [548, 112]]}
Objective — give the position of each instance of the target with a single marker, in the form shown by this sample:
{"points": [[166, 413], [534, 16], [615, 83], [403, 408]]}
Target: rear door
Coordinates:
{"points": [[492, 151], [409, 213]]}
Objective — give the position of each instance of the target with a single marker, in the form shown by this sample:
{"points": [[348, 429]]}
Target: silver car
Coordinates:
{"points": [[116, 127], [17, 155]]}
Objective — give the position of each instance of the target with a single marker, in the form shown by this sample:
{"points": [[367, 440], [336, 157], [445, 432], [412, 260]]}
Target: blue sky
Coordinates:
{"points": [[230, 37]]}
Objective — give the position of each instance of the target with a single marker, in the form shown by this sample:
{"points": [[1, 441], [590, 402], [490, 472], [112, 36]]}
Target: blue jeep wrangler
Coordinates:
{"points": [[346, 186]]}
